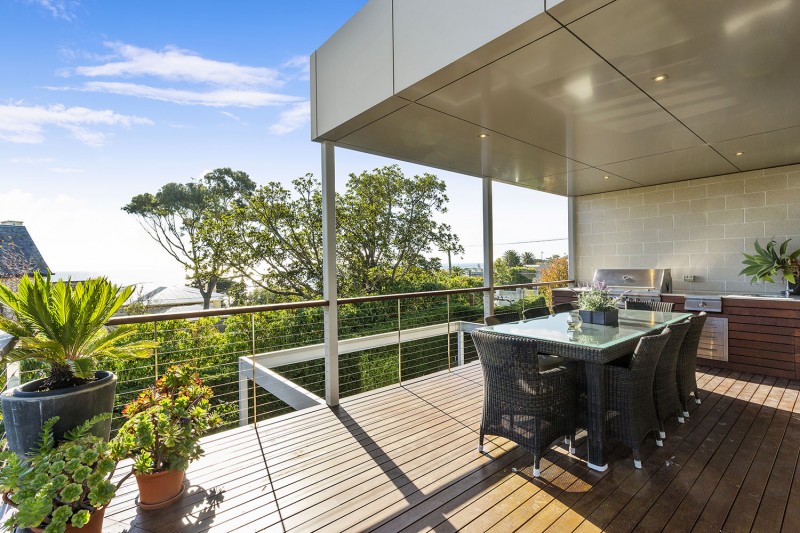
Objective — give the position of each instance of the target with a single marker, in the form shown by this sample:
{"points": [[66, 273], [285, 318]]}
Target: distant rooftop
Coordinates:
{"points": [[18, 253], [156, 295]]}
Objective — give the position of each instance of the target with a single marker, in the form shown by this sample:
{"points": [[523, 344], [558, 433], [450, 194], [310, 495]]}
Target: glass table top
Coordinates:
{"points": [[632, 324]]}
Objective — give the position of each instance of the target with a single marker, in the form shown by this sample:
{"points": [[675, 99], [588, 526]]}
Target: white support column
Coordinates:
{"points": [[243, 393], [571, 244], [488, 248], [329, 288]]}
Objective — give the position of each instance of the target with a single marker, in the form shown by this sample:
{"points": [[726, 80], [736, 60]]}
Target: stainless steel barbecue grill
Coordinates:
{"points": [[646, 284]]}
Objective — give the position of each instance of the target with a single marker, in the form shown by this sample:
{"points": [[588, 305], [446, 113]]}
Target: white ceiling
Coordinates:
{"points": [[576, 111]]}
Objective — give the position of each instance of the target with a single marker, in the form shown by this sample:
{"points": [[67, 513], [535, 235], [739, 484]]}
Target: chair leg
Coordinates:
{"points": [[480, 442], [697, 397], [536, 471], [661, 433], [681, 419], [637, 459], [572, 444]]}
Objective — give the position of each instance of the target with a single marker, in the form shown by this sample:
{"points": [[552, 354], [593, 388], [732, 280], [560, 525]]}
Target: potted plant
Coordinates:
{"points": [[162, 434], [597, 306], [771, 260], [60, 487], [63, 326]]}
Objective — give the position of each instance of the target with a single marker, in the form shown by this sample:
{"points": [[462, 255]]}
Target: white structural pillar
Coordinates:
{"points": [[571, 243], [488, 248], [329, 288]]}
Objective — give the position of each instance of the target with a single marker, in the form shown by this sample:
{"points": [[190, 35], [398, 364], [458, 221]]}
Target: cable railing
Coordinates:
{"points": [[268, 360]]}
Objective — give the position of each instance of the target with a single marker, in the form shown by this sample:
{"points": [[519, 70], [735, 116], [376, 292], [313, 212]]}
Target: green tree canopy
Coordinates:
{"points": [[528, 258], [385, 228], [189, 221], [512, 258]]}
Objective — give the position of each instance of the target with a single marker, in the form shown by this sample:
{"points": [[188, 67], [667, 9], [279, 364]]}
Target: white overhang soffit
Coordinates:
{"points": [[571, 97]]}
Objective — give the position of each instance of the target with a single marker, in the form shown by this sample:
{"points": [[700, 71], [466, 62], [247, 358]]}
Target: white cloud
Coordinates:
{"points": [[300, 64], [26, 124], [213, 98], [292, 119], [66, 170], [59, 9], [174, 64]]}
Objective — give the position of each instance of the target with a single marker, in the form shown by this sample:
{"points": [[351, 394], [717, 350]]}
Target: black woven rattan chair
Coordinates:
{"points": [[630, 411], [687, 363], [501, 318], [535, 312], [665, 386], [521, 403], [643, 305], [564, 308]]}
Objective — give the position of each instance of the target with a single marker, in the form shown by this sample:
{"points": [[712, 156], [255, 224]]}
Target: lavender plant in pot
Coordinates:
{"points": [[597, 306]]}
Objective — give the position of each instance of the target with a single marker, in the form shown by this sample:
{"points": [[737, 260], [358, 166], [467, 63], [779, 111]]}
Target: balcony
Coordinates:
{"points": [[404, 457]]}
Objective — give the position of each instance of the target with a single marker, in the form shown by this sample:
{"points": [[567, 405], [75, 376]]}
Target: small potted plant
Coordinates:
{"points": [[63, 326], [597, 306], [60, 487], [771, 260], [162, 434]]}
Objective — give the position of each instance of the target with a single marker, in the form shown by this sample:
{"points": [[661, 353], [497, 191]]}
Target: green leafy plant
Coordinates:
{"points": [[59, 484], [64, 326], [165, 423], [771, 259], [597, 298]]}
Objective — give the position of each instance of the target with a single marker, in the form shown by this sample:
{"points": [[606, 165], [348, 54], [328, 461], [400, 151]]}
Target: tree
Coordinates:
{"points": [[512, 258], [385, 228], [528, 258], [556, 268], [189, 221], [502, 272]]}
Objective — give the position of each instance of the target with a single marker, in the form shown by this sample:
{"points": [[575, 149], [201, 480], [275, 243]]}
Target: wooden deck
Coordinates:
{"points": [[404, 458]]}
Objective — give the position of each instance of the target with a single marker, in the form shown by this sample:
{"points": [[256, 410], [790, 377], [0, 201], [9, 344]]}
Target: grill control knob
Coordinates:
{"points": [[702, 304]]}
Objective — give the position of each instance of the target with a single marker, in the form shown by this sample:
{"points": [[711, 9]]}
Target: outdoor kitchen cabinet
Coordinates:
{"points": [[763, 333]]}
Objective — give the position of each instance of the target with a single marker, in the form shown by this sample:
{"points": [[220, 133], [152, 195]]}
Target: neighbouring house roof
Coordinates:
{"points": [[167, 297], [18, 253]]}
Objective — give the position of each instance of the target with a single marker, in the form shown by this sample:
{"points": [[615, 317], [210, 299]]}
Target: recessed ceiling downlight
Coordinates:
{"points": [[483, 135], [660, 77], [605, 177], [739, 153]]}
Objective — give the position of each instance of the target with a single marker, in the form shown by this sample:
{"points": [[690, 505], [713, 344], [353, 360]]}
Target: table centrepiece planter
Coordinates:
{"points": [[25, 410], [160, 489], [603, 318]]}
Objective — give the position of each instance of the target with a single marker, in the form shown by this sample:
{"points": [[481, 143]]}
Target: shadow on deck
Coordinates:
{"points": [[404, 458]]}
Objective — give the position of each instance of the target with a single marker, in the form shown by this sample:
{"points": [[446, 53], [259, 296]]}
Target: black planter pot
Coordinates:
{"points": [[794, 289], [603, 318], [24, 412]]}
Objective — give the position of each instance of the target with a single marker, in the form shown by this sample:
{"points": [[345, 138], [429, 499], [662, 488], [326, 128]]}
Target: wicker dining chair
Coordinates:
{"points": [[565, 307], [528, 406], [644, 305], [501, 318], [630, 411], [665, 386], [535, 312], [687, 363]]}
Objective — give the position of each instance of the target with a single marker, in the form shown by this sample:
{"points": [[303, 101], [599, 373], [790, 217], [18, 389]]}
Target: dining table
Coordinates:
{"points": [[595, 345]]}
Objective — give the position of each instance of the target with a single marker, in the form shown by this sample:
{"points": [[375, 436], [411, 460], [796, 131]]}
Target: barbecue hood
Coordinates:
{"points": [[636, 280]]}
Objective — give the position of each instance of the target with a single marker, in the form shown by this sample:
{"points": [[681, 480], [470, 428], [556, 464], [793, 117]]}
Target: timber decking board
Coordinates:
{"points": [[403, 458]]}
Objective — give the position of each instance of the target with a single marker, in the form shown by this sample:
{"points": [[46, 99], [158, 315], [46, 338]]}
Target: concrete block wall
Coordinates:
{"points": [[696, 227]]}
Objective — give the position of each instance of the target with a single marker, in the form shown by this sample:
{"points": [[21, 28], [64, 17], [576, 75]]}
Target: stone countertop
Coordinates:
{"points": [[738, 295]]}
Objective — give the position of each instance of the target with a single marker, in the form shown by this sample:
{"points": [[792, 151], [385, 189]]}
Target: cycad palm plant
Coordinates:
{"points": [[64, 326]]}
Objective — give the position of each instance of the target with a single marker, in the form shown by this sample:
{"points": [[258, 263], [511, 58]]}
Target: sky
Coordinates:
{"points": [[101, 101]]}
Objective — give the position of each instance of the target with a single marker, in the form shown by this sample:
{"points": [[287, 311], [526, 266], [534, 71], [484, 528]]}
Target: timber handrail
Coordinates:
{"points": [[228, 311]]}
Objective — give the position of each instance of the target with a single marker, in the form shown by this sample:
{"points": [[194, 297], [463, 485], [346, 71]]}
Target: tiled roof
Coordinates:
{"points": [[18, 251]]}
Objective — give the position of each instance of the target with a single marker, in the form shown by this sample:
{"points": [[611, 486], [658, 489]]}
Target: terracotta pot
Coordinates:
{"points": [[95, 524], [161, 489]]}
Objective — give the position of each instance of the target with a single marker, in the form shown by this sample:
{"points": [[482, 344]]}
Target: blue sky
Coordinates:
{"points": [[104, 100]]}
